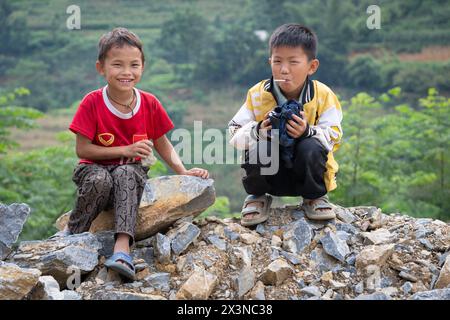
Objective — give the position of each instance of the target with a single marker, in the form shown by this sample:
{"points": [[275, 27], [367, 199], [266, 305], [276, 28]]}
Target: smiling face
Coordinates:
{"points": [[122, 68], [291, 64]]}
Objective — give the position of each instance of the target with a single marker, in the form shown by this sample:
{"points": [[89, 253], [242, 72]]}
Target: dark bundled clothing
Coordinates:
{"points": [[278, 119]]}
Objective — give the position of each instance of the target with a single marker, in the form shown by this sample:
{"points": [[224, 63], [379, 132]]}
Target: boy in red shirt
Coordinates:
{"points": [[115, 127]]}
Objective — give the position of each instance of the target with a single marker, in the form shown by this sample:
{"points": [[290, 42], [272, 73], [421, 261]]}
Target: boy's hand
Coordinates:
{"points": [[265, 125], [197, 172], [142, 149], [296, 128]]}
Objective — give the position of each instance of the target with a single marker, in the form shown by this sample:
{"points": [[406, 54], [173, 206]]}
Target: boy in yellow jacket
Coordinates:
{"points": [[316, 132]]}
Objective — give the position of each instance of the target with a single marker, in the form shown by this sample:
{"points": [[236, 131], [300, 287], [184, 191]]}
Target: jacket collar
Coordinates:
{"points": [[306, 95]]}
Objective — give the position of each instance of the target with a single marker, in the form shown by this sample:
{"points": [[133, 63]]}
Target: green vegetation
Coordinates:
{"points": [[201, 58]]}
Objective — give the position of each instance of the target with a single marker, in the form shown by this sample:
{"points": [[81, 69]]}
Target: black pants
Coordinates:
{"points": [[305, 179]]}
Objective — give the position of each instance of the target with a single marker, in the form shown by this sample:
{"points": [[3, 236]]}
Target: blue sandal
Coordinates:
{"points": [[127, 270]]}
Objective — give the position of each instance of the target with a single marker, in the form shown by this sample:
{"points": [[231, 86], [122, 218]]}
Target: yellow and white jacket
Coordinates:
{"points": [[322, 110]]}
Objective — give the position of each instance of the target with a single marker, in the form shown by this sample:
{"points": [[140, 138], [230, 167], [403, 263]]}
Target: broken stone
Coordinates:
{"points": [[374, 296], [344, 215], [217, 242], [407, 276], [444, 276], [199, 286], [312, 291], [60, 257], [297, 237], [244, 281], [379, 236], [374, 254], [278, 271], [120, 295], [159, 281], [182, 237], [161, 247], [12, 219], [437, 294], [165, 200], [334, 246], [249, 238], [47, 288], [257, 292], [16, 282]]}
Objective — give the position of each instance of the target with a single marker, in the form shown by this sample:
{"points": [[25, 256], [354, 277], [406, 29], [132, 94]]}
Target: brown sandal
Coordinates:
{"points": [[262, 213], [312, 208]]}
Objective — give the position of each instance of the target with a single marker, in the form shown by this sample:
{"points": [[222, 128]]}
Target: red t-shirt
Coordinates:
{"points": [[98, 120]]}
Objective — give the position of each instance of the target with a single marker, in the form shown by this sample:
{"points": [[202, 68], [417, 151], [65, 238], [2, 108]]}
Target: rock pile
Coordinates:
{"points": [[364, 254]]}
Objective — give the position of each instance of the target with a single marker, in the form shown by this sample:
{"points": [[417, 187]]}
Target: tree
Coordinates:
{"points": [[14, 116]]}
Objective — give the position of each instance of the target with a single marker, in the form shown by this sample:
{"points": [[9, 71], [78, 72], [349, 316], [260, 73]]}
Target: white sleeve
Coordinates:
{"points": [[242, 128], [328, 129]]}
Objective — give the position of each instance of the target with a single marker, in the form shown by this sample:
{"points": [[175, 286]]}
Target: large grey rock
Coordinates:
{"points": [[297, 237], [165, 200], [334, 246], [161, 247], [60, 257], [182, 237], [437, 294], [16, 282], [12, 219]]}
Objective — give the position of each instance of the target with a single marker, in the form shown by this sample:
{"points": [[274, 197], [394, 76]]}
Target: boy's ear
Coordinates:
{"points": [[313, 67], [99, 67], [269, 61]]}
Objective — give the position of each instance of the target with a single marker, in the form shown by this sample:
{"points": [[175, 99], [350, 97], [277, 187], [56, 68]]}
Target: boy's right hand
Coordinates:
{"points": [[142, 149], [266, 125]]}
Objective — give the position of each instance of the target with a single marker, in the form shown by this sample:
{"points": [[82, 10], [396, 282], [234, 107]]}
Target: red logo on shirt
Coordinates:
{"points": [[106, 139], [139, 137]]}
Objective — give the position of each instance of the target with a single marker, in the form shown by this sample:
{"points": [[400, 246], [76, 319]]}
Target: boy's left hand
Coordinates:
{"points": [[197, 172], [296, 128]]}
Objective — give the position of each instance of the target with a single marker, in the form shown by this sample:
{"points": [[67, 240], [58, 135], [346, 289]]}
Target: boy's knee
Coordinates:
{"points": [[101, 180], [310, 149], [129, 171]]}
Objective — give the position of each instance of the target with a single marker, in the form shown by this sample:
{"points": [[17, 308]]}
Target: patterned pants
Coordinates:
{"points": [[103, 187]]}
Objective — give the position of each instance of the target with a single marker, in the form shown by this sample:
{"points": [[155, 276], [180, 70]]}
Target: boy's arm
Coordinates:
{"points": [[169, 155], [243, 128], [85, 149], [328, 128]]}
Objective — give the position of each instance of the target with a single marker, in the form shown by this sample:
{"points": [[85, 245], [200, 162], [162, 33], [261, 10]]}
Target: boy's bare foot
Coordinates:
{"points": [[122, 245]]}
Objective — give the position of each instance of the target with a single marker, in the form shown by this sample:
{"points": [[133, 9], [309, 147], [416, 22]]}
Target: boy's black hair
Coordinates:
{"points": [[294, 35], [118, 37]]}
